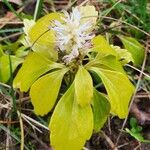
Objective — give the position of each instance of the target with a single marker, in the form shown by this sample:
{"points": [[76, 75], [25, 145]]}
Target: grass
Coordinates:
{"points": [[18, 123]]}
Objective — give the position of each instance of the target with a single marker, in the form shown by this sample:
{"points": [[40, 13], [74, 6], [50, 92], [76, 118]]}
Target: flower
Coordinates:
{"points": [[73, 34]]}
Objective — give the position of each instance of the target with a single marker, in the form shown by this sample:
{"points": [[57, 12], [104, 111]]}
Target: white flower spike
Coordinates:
{"points": [[74, 33]]}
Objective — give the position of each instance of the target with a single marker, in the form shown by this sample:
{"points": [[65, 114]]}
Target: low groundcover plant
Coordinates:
{"points": [[66, 61]]}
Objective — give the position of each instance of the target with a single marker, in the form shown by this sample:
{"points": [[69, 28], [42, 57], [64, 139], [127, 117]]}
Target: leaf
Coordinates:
{"points": [[112, 63], [119, 90], [1, 51], [83, 87], [21, 52], [108, 61], [137, 136], [101, 110], [135, 48], [71, 125], [28, 24], [89, 13], [133, 122], [100, 45], [45, 90], [33, 67], [42, 37], [5, 66], [123, 55]]}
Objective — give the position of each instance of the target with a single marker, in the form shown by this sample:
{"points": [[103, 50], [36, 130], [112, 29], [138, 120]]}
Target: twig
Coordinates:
{"points": [[8, 122], [109, 125], [10, 36], [120, 146], [8, 137], [84, 2], [34, 121], [12, 17], [110, 18], [111, 144], [84, 148], [138, 70], [22, 131], [45, 147], [33, 126], [138, 147], [5, 85], [10, 22]]}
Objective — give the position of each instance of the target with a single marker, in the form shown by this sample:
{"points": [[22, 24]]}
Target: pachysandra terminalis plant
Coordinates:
{"points": [[61, 72]]}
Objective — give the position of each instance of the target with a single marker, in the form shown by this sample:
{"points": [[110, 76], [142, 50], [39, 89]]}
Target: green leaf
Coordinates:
{"points": [[71, 125], [133, 122], [101, 46], [33, 67], [112, 63], [123, 55], [83, 86], [45, 90], [42, 37], [5, 66], [1, 51], [135, 48], [21, 52], [119, 90], [38, 9], [137, 136], [101, 110]]}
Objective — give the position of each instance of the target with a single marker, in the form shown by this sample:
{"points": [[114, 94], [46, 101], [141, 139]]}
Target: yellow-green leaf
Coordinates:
{"points": [[33, 67], [28, 24], [45, 90], [89, 13], [108, 61], [43, 40], [135, 48], [119, 90], [5, 66], [101, 110], [123, 55], [101, 46], [1, 51], [112, 63], [83, 86], [71, 125]]}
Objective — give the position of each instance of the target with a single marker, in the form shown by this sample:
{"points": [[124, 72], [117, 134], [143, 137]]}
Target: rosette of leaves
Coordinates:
{"points": [[79, 108]]}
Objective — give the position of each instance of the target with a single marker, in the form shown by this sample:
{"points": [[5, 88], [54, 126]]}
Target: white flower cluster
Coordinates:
{"points": [[73, 34]]}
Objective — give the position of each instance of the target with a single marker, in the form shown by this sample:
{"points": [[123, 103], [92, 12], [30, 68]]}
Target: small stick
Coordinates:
{"points": [[10, 36], [111, 144], [22, 131]]}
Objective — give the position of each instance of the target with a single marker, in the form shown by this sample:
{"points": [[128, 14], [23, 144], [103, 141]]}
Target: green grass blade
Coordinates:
{"points": [[12, 92], [11, 30], [38, 9]]}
